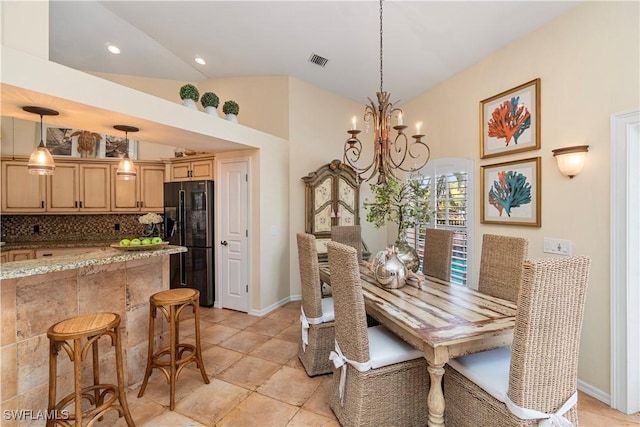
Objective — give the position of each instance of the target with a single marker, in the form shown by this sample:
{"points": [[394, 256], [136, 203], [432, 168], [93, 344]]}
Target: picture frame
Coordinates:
{"points": [[510, 121], [498, 184], [116, 146], [70, 142]]}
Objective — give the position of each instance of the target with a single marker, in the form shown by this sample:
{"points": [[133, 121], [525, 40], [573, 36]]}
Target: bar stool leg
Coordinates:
{"points": [[77, 379], [53, 374], [173, 330], [196, 315], [147, 372], [120, 373]]}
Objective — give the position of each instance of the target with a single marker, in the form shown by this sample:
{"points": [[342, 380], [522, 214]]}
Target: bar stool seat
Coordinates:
{"points": [[102, 397], [171, 359]]}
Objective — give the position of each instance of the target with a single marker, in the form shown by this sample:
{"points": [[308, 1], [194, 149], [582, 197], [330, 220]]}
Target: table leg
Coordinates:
{"points": [[435, 399]]}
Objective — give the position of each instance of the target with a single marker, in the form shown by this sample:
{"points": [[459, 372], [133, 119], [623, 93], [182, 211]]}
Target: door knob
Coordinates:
{"points": [[224, 243]]}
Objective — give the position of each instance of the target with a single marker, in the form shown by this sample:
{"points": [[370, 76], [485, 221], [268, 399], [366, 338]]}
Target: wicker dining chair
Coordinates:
{"points": [[501, 265], [379, 379], [316, 317], [540, 370], [350, 235], [438, 250]]}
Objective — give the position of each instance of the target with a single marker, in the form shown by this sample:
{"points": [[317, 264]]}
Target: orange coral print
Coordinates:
{"points": [[509, 120]]}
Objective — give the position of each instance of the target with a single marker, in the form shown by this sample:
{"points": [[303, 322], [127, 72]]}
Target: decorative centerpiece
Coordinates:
{"points": [[388, 270], [210, 102], [405, 203], [231, 109], [152, 223], [189, 95]]}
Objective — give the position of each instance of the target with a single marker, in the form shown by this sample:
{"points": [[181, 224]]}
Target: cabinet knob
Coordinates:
{"points": [[224, 243]]}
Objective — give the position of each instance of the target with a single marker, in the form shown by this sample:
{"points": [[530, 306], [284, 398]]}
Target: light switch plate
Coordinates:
{"points": [[557, 246]]}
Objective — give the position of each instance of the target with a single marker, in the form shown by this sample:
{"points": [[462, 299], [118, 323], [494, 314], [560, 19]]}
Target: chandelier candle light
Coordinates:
{"points": [[387, 156]]}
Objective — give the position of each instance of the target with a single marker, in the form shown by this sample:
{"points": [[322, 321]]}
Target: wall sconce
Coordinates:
{"points": [[571, 159]]}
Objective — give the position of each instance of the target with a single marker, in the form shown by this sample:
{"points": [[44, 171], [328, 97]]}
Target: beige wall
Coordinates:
{"points": [[588, 63], [30, 32], [319, 123]]}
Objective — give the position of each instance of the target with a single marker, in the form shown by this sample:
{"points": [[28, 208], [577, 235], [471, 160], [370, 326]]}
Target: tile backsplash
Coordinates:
{"points": [[30, 228]]}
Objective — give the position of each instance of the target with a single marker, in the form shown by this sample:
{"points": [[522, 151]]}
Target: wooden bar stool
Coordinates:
{"points": [[174, 357], [102, 397]]}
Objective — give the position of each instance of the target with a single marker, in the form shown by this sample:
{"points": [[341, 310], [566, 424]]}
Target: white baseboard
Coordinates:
{"points": [[594, 392], [270, 308]]}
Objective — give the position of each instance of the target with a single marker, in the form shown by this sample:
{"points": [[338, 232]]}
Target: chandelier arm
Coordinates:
{"points": [[355, 149], [421, 165]]}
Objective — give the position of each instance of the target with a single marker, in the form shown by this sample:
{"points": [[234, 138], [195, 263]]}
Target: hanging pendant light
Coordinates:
{"points": [[41, 161], [126, 169]]}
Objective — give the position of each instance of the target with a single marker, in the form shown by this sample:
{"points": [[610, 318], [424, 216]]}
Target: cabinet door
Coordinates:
{"points": [[346, 202], [20, 255], [4, 257], [124, 194], [152, 188], [22, 192], [202, 169], [62, 194], [181, 172], [95, 185]]}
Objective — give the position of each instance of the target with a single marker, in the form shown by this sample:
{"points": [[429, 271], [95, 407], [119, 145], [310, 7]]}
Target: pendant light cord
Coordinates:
{"points": [[41, 138], [381, 46]]}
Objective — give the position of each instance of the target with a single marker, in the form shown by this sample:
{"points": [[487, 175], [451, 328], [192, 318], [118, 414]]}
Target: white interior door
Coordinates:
{"points": [[625, 270], [234, 234]]}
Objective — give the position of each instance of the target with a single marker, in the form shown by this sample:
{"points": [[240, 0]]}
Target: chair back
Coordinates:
{"points": [[348, 302], [438, 249], [501, 265], [350, 235], [309, 275], [546, 340]]}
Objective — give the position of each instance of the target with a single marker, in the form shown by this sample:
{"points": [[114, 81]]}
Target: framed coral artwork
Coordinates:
{"points": [[510, 121], [511, 193]]}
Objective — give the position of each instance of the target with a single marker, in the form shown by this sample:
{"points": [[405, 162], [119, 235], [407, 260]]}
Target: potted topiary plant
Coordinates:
{"points": [[210, 102], [231, 109], [189, 95]]}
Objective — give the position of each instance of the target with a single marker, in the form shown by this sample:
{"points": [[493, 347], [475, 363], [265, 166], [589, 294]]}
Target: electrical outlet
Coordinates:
{"points": [[116, 226], [557, 246], [36, 228]]}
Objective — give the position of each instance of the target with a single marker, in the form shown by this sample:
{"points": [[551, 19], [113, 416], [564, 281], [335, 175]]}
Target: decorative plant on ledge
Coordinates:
{"points": [[189, 95], [231, 109], [210, 102], [404, 203]]}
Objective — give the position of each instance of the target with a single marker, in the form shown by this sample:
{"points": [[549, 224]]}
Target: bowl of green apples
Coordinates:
{"points": [[140, 244]]}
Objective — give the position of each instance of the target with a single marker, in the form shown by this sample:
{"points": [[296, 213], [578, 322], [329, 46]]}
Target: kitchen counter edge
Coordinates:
{"points": [[17, 269]]}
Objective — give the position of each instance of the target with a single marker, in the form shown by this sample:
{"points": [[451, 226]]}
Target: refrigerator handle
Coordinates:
{"points": [[183, 271], [181, 215]]}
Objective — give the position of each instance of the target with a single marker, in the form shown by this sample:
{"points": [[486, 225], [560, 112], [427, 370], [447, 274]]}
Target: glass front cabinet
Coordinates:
{"points": [[332, 197]]}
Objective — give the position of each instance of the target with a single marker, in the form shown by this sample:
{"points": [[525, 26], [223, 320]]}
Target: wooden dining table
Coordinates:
{"points": [[442, 320]]}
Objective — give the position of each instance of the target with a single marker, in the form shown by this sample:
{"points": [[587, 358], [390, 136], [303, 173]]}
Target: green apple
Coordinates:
{"points": [[156, 240], [146, 242], [125, 242], [135, 242]]}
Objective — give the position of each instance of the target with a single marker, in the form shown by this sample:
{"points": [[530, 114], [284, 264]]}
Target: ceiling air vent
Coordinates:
{"points": [[318, 60]]}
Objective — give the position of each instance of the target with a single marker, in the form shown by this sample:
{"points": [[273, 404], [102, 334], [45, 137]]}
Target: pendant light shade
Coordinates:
{"points": [[126, 169], [41, 161]]}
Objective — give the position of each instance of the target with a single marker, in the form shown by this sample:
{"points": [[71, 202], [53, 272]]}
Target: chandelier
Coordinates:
{"points": [[388, 155]]}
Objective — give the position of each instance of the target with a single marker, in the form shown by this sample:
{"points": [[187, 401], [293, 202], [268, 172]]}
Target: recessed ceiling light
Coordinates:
{"points": [[113, 49], [200, 60]]}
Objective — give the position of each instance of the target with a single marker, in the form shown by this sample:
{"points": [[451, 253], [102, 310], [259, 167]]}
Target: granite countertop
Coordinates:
{"points": [[50, 244], [12, 270]]}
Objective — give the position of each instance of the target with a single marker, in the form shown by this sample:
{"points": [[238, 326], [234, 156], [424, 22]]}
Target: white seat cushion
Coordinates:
{"points": [[488, 369], [327, 310], [386, 348]]}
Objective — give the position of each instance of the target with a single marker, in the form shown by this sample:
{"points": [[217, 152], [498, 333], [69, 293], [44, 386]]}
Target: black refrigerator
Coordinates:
{"points": [[188, 221]]}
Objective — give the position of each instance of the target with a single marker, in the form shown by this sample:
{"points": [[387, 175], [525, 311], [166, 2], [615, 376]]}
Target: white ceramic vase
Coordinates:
{"points": [[211, 110], [232, 118], [190, 103]]}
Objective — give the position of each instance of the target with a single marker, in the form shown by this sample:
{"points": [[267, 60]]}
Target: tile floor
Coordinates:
{"points": [[257, 380]]}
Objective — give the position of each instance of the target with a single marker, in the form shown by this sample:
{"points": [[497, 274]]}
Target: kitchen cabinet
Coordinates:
{"points": [[191, 168], [22, 192], [79, 187], [143, 194], [17, 255], [332, 197]]}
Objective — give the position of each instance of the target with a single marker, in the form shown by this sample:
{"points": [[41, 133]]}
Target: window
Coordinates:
{"points": [[451, 185]]}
